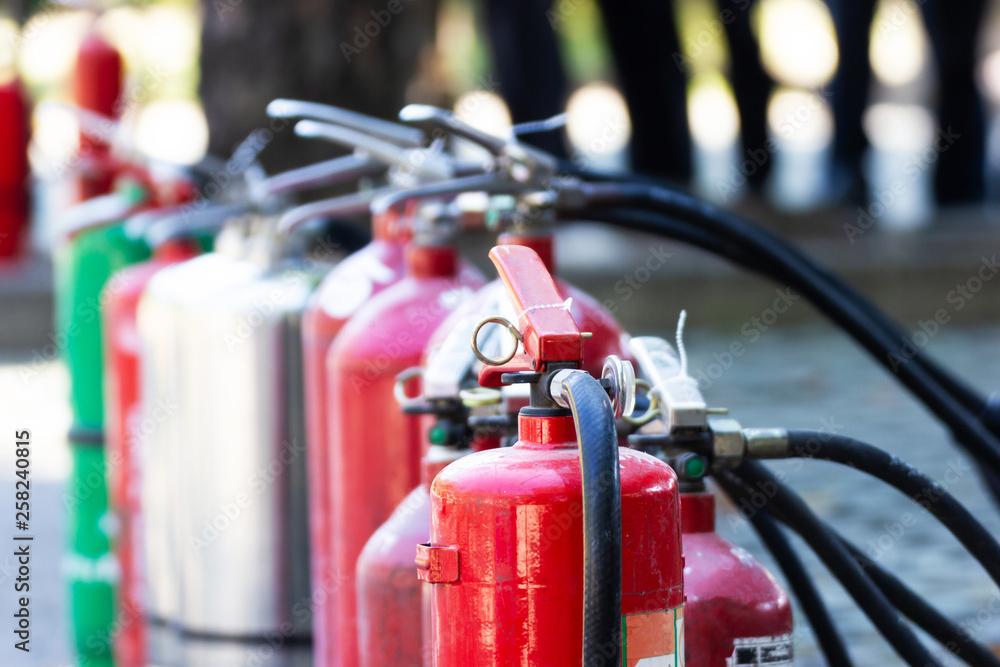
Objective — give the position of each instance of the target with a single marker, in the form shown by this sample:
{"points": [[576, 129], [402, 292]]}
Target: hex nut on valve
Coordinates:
{"points": [[727, 443]]}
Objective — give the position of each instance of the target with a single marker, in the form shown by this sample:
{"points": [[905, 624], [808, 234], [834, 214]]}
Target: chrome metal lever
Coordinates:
{"points": [[400, 135], [422, 162]]}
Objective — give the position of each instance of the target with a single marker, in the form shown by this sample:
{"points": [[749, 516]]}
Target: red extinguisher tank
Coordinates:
{"points": [[14, 170], [375, 450], [392, 604], [345, 289], [511, 519], [97, 87], [736, 613], [390, 601], [506, 557], [125, 427], [390, 597]]}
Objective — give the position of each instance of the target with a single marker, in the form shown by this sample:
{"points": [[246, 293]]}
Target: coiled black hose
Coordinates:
{"points": [[965, 423], [602, 519], [907, 479], [838, 559], [962, 411], [692, 210], [952, 636], [803, 586]]}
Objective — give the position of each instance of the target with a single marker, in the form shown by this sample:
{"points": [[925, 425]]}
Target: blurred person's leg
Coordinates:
{"points": [[751, 85], [643, 38], [954, 29], [527, 65], [852, 20]]}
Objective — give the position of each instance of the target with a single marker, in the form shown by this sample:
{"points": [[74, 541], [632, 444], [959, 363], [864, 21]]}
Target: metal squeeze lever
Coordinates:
{"points": [[547, 331], [429, 162], [355, 203], [328, 172], [523, 163], [552, 342], [395, 133], [182, 222], [434, 118]]}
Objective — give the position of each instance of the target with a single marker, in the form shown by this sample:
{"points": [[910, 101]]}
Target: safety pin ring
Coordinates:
{"points": [[515, 334]]}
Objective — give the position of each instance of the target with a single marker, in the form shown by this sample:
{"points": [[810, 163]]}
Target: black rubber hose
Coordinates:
{"points": [[802, 583], [902, 476], [952, 636], [838, 559], [964, 423], [736, 253], [699, 237], [685, 206], [602, 519]]}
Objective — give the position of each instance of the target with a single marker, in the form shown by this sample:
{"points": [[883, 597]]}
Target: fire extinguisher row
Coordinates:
{"points": [[361, 451]]}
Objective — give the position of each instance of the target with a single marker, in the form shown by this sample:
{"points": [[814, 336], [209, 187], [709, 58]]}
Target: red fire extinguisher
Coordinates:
{"points": [[347, 288], [390, 606], [375, 450], [97, 87], [124, 428], [14, 169], [391, 601], [562, 548], [736, 612]]}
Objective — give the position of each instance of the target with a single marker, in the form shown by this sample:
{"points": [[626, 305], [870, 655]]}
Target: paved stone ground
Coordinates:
{"points": [[800, 376], [804, 377]]}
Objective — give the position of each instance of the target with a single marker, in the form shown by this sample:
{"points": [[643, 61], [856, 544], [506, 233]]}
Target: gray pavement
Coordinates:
{"points": [[800, 376]]}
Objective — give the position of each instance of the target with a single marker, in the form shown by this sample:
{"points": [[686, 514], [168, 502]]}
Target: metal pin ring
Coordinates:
{"points": [[399, 389], [476, 397], [651, 412], [515, 334]]}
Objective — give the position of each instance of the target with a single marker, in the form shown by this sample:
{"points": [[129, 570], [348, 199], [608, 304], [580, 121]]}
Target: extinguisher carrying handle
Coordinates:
{"points": [[548, 332], [329, 172], [400, 135], [430, 163]]}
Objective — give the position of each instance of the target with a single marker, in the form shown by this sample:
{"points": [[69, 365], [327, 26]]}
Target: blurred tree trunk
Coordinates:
{"points": [[359, 54]]}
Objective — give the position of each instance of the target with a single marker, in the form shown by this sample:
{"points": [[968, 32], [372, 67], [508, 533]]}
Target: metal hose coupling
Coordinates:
{"points": [[618, 379], [765, 443]]}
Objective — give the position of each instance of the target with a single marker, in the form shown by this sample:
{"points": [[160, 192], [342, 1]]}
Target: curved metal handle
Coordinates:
{"points": [[353, 204], [185, 222], [425, 162], [329, 172], [482, 182], [375, 127], [436, 118]]}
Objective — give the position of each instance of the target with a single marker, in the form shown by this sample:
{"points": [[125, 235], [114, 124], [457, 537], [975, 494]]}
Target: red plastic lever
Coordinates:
{"points": [[549, 332]]}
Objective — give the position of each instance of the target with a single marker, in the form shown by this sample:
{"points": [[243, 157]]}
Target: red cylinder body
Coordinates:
{"points": [[375, 449], [14, 170], [506, 555], [390, 596], [390, 607], [97, 87], [736, 613], [123, 292], [344, 290]]}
